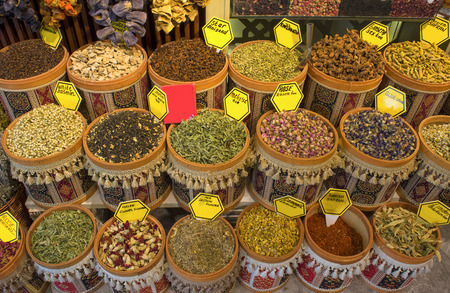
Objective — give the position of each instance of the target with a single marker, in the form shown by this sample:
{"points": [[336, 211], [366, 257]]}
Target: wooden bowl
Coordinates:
{"points": [[439, 119]]}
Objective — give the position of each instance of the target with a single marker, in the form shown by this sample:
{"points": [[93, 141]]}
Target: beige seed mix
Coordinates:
{"points": [[44, 131]]}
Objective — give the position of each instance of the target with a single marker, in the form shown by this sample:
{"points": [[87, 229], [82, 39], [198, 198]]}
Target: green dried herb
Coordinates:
{"points": [[201, 247], [266, 61], [406, 233], [268, 233], [437, 137], [208, 138], [62, 236]]}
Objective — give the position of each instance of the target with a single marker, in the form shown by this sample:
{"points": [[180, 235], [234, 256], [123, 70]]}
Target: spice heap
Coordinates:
{"points": [[27, 59], [416, 8], [379, 135], [338, 239], [437, 138], [208, 138], [420, 60], [44, 131], [7, 252], [187, 60], [61, 236], [314, 7], [201, 247], [264, 7], [124, 136], [104, 61], [348, 57], [365, 8], [267, 62], [8, 186], [129, 245], [405, 232], [268, 233], [298, 134]]}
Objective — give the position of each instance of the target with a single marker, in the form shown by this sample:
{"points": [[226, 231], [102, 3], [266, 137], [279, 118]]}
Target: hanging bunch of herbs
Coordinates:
{"points": [[21, 10], [122, 20], [55, 11]]}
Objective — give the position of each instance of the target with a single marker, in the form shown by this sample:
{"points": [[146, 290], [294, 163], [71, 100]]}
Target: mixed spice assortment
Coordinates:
{"points": [[44, 131], [264, 7], [210, 137], [348, 57], [7, 252], [405, 232], [201, 247], [297, 133], [61, 236], [379, 135], [338, 239], [267, 62], [437, 138], [187, 60], [28, 58], [314, 7], [124, 136], [268, 233], [105, 61], [420, 60], [130, 245], [416, 8]]}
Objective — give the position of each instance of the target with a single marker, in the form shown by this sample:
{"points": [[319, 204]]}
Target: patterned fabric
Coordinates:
{"points": [[86, 283], [99, 103], [333, 104], [262, 284], [19, 102], [419, 105], [418, 190]]}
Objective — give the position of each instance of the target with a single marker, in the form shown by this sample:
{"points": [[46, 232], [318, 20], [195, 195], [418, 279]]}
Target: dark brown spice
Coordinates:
{"points": [[338, 239], [27, 59], [187, 60], [124, 136]]}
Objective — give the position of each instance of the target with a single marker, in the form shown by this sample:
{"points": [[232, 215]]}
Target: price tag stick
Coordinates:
{"points": [[334, 203]]}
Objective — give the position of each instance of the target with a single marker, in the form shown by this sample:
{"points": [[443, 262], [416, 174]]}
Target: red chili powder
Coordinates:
{"points": [[338, 239]]}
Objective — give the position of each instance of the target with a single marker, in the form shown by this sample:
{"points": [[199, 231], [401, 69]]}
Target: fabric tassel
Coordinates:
{"points": [[244, 173], [421, 271], [59, 177], [95, 177], [101, 181], [414, 274], [381, 266], [289, 270], [295, 265], [222, 184], [263, 163], [29, 180], [53, 278], [21, 178], [373, 180], [136, 286], [190, 184], [269, 172], [249, 268], [421, 173], [39, 180], [357, 270], [61, 279], [363, 177], [281, 273], [389, 270], [375, 261], [350, 274], [334, 275], [311, 264], [142, 181], [150, 178], [115, 183], [343, 275], [272, 274], [78, 274], [236, 178], [298, 180], [355, 173], [134, 183], [382, 180], [289, 180], [118, 286], [263, 274], [349, 169], [427, 270], [230, 182], [70, 278], [107, 183], [196, 185], [243, 262], [67, 174], [156, 173], [128, 286], [328, 173], [215, 186], [256, 272], [318, 269], [208, 187], [326, 272], [177, 177], [126, 184], [396, 273], [86, 270], [405, 274]]}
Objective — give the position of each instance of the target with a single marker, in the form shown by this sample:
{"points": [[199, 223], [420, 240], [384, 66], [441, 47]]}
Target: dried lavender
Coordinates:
{"points": [[298, 134], [437, 137], [379, 135]]}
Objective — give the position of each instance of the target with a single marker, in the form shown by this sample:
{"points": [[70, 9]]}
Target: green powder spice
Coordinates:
{"points": [[268, 233], [437, 137], [201, 247], [266, 61], [44, 131], [62, 236], [208, 138]]}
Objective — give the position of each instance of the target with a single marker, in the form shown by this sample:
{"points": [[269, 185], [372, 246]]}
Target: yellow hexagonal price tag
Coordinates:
{"points": [[67, 95], [218, 33], [376, 34], [287, 97], [391, 100], [157, 103], [50, 36], [335, 202], [290, 206], [206, 206], [288, 34], [434, 212], [236, 104], [435, 31], [131, 210], [9, 227]]}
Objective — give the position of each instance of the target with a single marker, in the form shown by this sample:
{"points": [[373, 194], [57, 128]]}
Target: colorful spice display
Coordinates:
{"points": [[124, 136], [201, 247], [268, 233], [44, 131], [266, 61], [298, 134], [405, 232], [7, 252], [187, 60], [55, 11], [208, 138], [379, 135], [338, 239], [416, 8], [437, 138], [130, 245], [28, 58], [420, 60], [104, 61], [264, 7], [314, 7], [348, 57], [61, 236]]}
